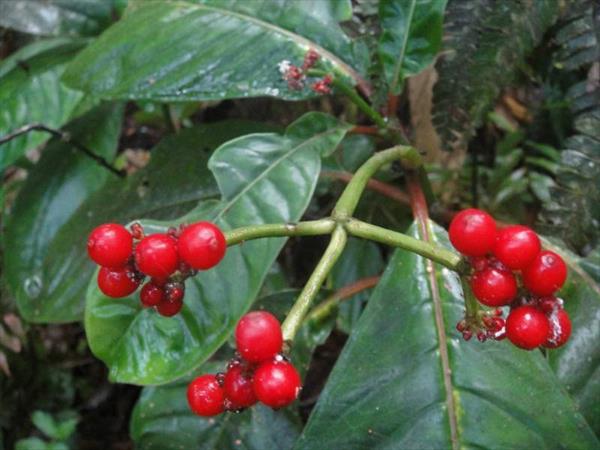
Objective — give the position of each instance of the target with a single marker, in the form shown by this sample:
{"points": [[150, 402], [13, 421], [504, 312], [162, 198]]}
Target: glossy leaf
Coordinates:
{"points": [[392, 388], [212, 49], [577, 364], [162, 420], [31, 91], [58, 184], [263, 178], [410, 39], [59, 17]]}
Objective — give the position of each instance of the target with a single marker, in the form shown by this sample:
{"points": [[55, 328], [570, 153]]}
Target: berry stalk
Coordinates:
{"points": [[309, 228]]}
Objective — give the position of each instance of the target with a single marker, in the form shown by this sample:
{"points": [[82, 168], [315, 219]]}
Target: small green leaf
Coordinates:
{"points": [[45, 423], [210, 50], [31, 444], [264, 178], [410, 39]]}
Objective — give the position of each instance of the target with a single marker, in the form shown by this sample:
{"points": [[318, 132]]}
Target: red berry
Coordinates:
{"points": [[175, 292], [151, 294], [560, 329], [117, 283], [258, 336], [494, 287], [473, 232], [238, 387], [156, 255], [168, 307], [546, 274], [527, 327], [202, 245], [110, 245], [479, 262], [549, 304], [516, 246], [206, 396], [277, 383]]}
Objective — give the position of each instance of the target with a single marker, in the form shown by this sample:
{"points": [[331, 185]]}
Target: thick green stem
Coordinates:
{"points": [[434, 252], [294, 319], [349, 199], [471, 303], [310, 228]]}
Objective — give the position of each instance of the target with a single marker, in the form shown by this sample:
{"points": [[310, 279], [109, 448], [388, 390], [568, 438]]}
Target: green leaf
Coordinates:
{"points": [[138, 59], [58, 17], [577, 363], [410, 39], [263, 178], [162, 420], [31, 444], [31, 91], [360, 259], [401, 382], [58, 184], [45, 423], [485, 44]]}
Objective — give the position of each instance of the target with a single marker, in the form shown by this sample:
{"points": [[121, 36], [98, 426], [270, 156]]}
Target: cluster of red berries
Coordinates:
{"points": [[127, 257], [296, 76], [259, 373], [511, 269]]}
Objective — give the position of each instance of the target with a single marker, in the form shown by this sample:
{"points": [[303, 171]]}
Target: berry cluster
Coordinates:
{"points": [[511, 269], [127, 257], [296, 76], [258, 373]]}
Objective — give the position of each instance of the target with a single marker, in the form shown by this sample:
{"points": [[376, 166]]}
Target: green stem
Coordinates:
{"points": [[471, 303], [434, 252], [349, 199], [310, 228], [294, 319]]}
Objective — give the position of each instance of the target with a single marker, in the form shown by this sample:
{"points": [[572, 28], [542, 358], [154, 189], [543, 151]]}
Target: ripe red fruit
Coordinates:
{"points": [[151, 294], [560, 329], [527, 327], [494, 287], [110, 245], [117, 283], [258, 336], [546, 274], [206, 396], [202, 245], [277, 383], [238, 387], [473, 232], [517, 246], [156, 255], [168, 307]]}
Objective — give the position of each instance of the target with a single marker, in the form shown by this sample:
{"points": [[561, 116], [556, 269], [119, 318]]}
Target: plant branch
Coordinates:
{"points": [[351, 93], [378, 186], [310, 228], [471, 303], [65, 137], [295, 317], [324, 309]]}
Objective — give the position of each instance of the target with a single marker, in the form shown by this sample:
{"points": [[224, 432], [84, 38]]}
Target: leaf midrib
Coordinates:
{"points": [[400, 60]]}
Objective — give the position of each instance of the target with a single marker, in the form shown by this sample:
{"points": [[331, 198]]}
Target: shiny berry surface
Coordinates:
{"points": [[494, 287], [546, 274], [258, 336], [473, 232], [527, 327], [202, 245], [169, 308], [156, 255], [238, 387], [205, 396], [517, 246], [277, 383], [116, 283], [560, 329], [110, 245], [151, 294]]}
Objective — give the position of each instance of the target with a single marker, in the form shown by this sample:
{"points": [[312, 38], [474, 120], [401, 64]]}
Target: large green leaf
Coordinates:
{"points": [[162, 420], [213, 49], [57, 185], [410, 39], [173, 182], [31, 91], [59, 17], [263, 178], [402, 382], [486, 42]]}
